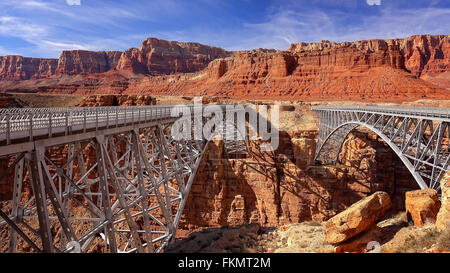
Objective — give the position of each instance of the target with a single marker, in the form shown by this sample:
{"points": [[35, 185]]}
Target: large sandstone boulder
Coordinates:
{"points": [[422, 206], [443, 217], [357, 218]]}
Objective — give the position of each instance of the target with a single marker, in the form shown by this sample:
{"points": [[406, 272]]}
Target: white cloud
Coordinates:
{"points": [[4, 51], [16, 27], [288, 26]]}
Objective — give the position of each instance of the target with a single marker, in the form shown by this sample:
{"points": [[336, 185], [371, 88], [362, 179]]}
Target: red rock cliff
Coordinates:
{"points": [[167, 57], [76, 62], [428, 56], [15, 68], [374, 70]]}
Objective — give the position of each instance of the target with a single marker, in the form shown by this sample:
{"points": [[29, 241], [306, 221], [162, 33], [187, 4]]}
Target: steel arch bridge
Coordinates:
{"points": [[112, 177], [419, 136]]}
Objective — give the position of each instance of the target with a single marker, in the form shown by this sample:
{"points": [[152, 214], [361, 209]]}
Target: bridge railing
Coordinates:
{"points": [[426, 112], [16, 123]]}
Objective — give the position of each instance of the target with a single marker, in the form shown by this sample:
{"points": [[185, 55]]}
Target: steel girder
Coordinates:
{"points": [[420, 137], [112, 191]]}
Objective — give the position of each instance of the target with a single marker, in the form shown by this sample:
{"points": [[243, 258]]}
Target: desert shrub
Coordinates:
{"points": [[313, 224]]}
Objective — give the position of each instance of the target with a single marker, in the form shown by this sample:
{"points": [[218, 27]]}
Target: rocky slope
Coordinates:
{"points": [[375, 70]]}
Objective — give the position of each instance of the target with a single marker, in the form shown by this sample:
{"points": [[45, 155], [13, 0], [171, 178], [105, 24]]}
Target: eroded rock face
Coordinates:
{"points": [[422, 206], [359, 217], [16, 68], [158, 57], [443, 217], [168, 57], [76, 62], [374, 70], [426, 54]]}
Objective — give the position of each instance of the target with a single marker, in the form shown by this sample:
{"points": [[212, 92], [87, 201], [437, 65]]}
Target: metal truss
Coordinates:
{"points": [[419, 136], [106, 185]]}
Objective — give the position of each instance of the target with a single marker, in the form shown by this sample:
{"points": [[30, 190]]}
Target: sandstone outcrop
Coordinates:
{"points": [[83, 62], [426, 54], [443, 217], [168, 57], [158, 57], [155, 57], [357, 218], [374, 70], [16, 68], [422, 206]]}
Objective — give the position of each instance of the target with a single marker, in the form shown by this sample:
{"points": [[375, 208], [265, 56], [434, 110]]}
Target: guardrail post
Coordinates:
{"points": [[8, 129], [66, 114], [84, 121], [107, 118], [31, 127], [50, 125]]}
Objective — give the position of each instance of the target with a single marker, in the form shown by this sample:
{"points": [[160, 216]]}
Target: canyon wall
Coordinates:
{"points": [[84, 62], [374, 70], [274, 189], [154, 57], [16, 68], [157, 57]]}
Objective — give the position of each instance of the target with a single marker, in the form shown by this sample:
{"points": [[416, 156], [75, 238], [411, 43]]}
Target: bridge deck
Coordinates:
{"points": [[24, 125]]}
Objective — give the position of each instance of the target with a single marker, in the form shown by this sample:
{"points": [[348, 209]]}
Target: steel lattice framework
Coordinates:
{"points": [[419, 136], [119, 181]]}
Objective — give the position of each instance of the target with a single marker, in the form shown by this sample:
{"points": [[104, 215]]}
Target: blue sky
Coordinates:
{"points": [[43, 28]]}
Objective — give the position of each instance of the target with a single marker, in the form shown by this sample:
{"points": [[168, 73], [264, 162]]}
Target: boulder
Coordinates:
{"points": [[422, 206], [443, 217], [359, 217], [360, 243]]}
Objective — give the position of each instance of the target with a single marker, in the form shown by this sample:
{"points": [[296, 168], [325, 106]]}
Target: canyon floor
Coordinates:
{"points": [[397, 236]]}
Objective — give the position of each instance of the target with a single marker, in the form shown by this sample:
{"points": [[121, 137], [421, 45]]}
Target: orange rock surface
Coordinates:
{"points": [[359, 217], [16, 68], [422, 206], [374, 70], [443, 217]]}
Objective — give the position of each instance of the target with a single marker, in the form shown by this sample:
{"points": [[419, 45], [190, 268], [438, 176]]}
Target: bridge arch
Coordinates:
{"points": [[418, 136], [333, 148]]}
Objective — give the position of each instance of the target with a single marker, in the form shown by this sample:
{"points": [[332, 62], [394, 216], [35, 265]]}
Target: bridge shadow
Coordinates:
{"points": [[220, 194], [284, 186]]}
